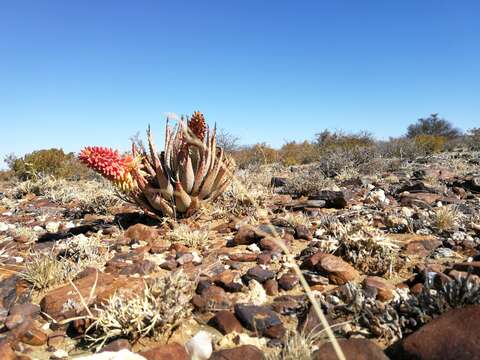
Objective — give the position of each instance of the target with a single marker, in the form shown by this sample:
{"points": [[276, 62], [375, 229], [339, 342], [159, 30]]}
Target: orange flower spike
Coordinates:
{"points": [[111, 165], [198, 125]]}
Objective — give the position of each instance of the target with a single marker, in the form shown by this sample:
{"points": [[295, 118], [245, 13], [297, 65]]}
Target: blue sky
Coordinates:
{"points": [[75, 73]]}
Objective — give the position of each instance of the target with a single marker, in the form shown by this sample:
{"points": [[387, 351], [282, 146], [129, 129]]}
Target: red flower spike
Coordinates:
{"points": [[110, 165]]}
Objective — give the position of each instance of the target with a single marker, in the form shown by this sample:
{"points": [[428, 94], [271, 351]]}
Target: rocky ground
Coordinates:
{"points": [[391, 255]]}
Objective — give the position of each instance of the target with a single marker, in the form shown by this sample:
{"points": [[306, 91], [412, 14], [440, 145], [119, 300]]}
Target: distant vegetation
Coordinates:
{"points": [[335, 151], [48, 162]]}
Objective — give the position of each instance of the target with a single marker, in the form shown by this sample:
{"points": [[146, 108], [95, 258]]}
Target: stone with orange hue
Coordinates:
{"points": [[173, 351], [142, 232], [64, 302]]}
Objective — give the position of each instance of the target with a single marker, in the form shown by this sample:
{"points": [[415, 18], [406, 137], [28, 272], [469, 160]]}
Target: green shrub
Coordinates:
{"points": [[430, 144], [53, 162], [293, 153], [434, 126], [258, 154]]}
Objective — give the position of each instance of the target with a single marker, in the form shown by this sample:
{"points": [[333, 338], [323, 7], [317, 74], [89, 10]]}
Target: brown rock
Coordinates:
{"points": [[333, 199], [358, 349], [302, 232], [245, 236], [264, 258], [473, 267], [338, 271], [421, 245], [117, 345], [256, 318], [288, 281], [212, 297], [56, 339], [229, 280], [409, 199], [453, 335], [243, 257], [142, 232], [173, 351], [271, 244], [382, 287], [34, 336], [259, 274], [243, 352], [271, 287], [6, 351], [54, 302], [275, 332], [226, 322], [288, 304]]}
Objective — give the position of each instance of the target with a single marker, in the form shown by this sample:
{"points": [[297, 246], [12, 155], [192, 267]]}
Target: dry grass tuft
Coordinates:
{"points": [[298, 346], [297, 218], [192, 238], [307, 183], [89, 196], [363, 246], [27, 233], [45, 270], [155, 312], [445, 218]]}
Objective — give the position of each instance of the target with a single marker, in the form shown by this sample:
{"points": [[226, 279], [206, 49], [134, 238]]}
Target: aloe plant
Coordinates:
{"points": [[190, 171]]}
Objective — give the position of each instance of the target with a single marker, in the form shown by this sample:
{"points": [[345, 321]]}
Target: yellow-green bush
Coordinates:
{"points": [[293, 153], [258, 154], [52, 162], [430, 143]]}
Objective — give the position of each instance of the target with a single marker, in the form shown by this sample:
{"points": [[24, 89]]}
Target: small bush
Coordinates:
{"points": [[160, 308], [430, 144], [45, 270], [307, 183], [433, 126], [193, 238], [258, 154], [52, 162], [445, 218], [293, 153], [402, 148], [89, 196]]}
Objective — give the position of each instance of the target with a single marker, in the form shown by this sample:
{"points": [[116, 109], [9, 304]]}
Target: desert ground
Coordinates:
{"points": [[389, 253]]}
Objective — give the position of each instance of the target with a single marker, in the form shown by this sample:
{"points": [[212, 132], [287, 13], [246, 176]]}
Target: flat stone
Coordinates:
{"points": [[358, 349], [173, 351], [259, 274], [243, 257], [271, 287], [473, 267], [229, 280], [451, 336], [338, 271], [302, 232], [243, 352], [54, 303], [213, 297], [226, 322], [333, 199], [256, 318], [34, 336], [245, 236], [6, 351], [117, 345], [288, 281], [141, 232], [384, 290]]}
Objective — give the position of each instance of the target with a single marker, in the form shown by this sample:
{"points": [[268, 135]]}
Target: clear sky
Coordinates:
{"points": [[75, 73]]}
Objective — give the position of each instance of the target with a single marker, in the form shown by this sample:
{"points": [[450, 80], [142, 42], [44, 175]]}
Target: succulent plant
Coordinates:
{"points": [[190, 170]]}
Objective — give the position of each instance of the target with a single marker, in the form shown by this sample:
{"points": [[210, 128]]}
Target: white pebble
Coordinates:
{"points": [[200, 346]]}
